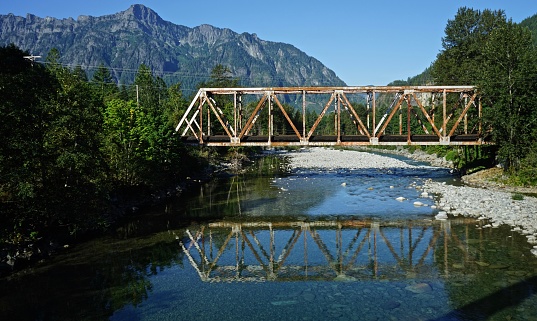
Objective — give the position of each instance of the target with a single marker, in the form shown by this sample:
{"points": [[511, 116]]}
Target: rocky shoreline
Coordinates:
{"points": [[486, 200], [496, 207]]}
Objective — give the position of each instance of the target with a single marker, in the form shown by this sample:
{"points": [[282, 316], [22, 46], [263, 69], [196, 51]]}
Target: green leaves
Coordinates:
{"points": [[509, 85], [461, 57], [120, 139], [68, 142], [482, 48]]}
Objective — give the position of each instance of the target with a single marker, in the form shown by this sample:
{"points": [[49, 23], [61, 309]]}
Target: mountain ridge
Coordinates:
{"points": [[124, 40]]}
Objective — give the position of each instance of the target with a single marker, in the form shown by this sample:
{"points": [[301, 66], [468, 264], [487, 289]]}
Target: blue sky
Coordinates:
{"points": [[363, 42]]}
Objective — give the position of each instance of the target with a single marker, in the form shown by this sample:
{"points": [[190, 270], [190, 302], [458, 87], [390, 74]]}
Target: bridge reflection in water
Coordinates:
{"points": [[348, 250]]}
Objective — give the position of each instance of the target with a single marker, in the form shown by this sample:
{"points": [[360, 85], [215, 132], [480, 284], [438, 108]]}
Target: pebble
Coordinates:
{"points": [[419, 288], [442, 215], [282, 303]]}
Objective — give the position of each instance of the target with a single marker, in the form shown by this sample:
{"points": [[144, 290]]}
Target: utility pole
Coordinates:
{"points": [[137, 97]]}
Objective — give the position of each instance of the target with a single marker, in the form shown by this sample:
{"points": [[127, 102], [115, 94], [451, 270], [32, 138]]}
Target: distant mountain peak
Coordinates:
{"points": [[143, 13]]}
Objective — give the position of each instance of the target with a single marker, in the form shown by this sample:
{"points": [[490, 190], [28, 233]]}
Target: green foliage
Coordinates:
{"points": [[120, 140], [452, 156], [517, 197], [460, 61], [527, 173], [531, 24], [103, 85], [69, 142], [412, 149], [482, 48], [423, 79], [509, 86]]}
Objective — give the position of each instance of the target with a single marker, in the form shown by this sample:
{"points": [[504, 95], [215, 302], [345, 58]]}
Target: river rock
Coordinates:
{"points": [[308, 296], [283, 303], [390, 305], [441, 216], [419, 288]]}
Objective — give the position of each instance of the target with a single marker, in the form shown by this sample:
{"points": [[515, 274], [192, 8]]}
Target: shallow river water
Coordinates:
{"points": [[280, 244]]}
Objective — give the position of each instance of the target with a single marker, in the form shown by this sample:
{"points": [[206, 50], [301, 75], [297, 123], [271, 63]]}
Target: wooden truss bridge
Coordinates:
{"points": [[324, 250], [344, 116]]}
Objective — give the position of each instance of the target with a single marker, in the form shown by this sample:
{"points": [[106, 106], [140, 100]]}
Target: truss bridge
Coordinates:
{"points": [[334, 116]]}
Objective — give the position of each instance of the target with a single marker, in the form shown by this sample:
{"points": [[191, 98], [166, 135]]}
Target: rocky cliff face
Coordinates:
{"points": [[124, 40]]}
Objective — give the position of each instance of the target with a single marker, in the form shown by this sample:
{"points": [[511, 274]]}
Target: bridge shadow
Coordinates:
{"points": [[485, 308]]}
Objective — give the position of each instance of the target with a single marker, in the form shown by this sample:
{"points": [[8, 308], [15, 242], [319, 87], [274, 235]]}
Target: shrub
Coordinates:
{"points": [[517, 197]]}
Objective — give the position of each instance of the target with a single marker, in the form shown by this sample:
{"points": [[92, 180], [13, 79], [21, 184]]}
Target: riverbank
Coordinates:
{"points": [[490, 202]]}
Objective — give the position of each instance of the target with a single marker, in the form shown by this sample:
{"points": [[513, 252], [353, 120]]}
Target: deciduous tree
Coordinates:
{"points": [[509, 89]]}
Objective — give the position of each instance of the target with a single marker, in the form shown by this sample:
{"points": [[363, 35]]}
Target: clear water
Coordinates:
{"points": [[278, 245]]}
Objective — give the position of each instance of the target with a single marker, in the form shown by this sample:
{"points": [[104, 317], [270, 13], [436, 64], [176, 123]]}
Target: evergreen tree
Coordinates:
{"points": [[103, 84]]}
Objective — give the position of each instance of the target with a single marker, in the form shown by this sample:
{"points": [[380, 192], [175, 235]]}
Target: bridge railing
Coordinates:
{"points": [[321, 116]]}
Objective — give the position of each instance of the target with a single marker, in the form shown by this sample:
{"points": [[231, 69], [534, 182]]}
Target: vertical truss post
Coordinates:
{"points": [[200, 111], [445, 137], [240, 113], [208, 122], [409, 106], [270, 119], [336, 113], [465, 115], [303, 114], [374, 109], [479, 110], [401, 119], [368, 110], [235, 116], [338, 117]]}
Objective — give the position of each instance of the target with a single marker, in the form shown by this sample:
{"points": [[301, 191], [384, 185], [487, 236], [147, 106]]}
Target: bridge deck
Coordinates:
{"points": [[332, 140]]}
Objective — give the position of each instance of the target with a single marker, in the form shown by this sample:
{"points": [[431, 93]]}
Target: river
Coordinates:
{"points": [[285, 243]]}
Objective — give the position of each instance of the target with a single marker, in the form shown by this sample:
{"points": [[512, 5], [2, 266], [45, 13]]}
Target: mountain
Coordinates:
{"points": [[124, 40]]}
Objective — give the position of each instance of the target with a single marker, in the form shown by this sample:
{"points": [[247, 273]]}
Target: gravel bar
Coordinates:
{"points": [[327, 158]]}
